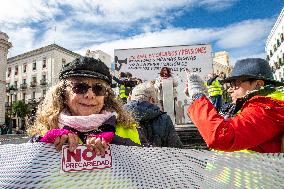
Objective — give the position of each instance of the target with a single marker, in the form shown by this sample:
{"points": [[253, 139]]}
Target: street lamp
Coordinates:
{"points": [[12, 90]]}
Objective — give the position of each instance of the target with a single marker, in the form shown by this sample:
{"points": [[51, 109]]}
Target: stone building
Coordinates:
{"points": [[29, 75], [4, 46], [98, 54], [274, 48], [221, 63]]}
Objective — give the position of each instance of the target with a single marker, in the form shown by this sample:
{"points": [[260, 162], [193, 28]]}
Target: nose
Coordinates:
{"points": [[89, 93]]}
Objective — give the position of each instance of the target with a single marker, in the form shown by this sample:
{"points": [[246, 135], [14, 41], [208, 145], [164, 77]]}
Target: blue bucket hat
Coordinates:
{"points": [[86, 67], [252, 68]]}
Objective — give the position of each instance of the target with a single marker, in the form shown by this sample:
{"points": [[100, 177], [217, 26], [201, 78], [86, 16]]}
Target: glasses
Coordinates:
{"points": [[82, 88], [237, 83]]}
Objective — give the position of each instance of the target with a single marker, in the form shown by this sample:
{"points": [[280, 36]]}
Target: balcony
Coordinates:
{"points": [[7, 104], [43, 82], [33, 84], [23, 86], [11, 88], [32, 101]]}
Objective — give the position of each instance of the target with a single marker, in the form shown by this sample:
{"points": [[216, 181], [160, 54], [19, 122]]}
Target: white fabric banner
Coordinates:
{"points": [[37, 165]]}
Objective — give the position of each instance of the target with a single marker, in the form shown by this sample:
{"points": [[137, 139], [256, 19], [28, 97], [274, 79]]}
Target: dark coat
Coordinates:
{"points": [[156, 125]]}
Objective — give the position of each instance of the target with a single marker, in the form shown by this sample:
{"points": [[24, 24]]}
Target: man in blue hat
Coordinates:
{"points": [[256, 121]]}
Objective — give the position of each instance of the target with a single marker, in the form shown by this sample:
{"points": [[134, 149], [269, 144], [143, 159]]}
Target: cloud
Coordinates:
{"points": [[22, 40], [108, 25], [20, 12], [244, 33], [246, 39], [216, 5]]}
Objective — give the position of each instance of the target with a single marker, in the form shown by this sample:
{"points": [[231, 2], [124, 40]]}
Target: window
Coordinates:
{"points": [[24, 68], [16, 84], [16, 70], [44, 77], [24, 81], [34, 65], [282, 37], [33, 95], [267, 57], [63, 61], [274, 47], [278, 43], [9, 71], [34, 79], [24, 97], [43, 92], [44, 63]]}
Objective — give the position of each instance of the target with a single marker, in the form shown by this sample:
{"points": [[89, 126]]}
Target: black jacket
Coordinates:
{"points": [[156, 125]]}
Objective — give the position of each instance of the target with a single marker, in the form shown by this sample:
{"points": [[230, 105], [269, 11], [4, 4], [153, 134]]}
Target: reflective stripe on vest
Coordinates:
{"points": [[131, 133], [122, 91], [215, 88], [278, 95]]}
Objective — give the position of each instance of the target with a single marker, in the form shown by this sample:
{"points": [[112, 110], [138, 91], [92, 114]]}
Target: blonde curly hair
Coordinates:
{"points": [[55, 101]]}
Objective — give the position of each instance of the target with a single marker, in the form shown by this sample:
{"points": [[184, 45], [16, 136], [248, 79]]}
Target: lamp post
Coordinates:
{"points": [[11, 92]]}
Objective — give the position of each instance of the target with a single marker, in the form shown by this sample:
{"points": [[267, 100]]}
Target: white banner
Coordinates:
{"points": [[37, 165], [146, 63]]}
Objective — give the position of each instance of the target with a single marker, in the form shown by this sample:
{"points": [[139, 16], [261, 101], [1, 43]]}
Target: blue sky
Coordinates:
{"points": [[240, 27]]}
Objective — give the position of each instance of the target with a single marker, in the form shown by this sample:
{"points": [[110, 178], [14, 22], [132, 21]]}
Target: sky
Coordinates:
{"points": [[239, 27]]}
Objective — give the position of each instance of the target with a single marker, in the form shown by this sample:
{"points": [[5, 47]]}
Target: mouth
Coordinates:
{"points": [[87, 105]]}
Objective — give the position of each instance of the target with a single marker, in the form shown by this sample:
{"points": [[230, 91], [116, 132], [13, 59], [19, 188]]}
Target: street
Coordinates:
{"points": [[13, 139]]}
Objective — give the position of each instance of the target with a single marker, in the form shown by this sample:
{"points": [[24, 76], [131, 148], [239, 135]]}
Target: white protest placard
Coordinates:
{"points": [[83, 159], [146, 63]]}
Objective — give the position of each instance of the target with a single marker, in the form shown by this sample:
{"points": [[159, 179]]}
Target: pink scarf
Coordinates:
{"points": [[83, 123]]}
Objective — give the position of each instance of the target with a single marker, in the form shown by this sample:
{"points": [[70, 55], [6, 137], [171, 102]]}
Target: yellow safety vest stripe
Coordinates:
{"points": [[131, 133], [122, 91], [277, 95]]}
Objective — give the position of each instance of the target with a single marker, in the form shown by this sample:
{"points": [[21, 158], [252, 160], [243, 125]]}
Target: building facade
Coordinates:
{"points": [[4, 46], [274, 48], [29, 75], [221, 63], [98, 54]]}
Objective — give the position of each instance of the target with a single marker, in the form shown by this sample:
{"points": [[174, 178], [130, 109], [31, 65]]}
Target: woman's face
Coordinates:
{"points": [[85, 96], [165, 72], [239, 88]]}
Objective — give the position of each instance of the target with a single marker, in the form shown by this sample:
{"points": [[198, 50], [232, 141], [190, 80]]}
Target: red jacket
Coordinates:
{"points": [[258, 126]]}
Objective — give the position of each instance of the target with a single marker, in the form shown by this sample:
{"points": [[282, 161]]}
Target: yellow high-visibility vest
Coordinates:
{"points": [[131, 133], [215, 88]]}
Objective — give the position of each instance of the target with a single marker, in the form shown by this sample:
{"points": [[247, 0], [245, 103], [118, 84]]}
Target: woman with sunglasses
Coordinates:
{"points": [[82, 108], [254, 121]]}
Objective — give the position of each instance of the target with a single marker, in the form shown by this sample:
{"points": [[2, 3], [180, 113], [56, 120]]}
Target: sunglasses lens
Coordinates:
{"points": [[80, 88], [99, 90]]}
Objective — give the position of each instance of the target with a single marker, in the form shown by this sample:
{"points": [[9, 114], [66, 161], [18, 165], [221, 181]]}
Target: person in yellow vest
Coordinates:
{"points": [[124, 85], [214, 90], [82, 109]]}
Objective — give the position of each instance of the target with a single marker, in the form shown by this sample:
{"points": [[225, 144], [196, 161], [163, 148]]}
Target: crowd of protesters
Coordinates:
{"points": [[251, 119]]}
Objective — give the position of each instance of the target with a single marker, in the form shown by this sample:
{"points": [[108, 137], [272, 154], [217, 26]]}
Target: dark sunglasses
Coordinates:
{"points": [[236, 83], [82, 88]]}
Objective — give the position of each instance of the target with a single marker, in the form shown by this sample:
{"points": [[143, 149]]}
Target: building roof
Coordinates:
{"points": [[42, 50]]}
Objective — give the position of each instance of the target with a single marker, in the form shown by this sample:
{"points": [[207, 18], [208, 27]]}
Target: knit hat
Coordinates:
{"points": [[252, 68], [86, 67]]}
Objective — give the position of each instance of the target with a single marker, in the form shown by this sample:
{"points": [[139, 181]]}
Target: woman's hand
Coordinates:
{"points": [[99, 145], [72, 141], [59, 137]]}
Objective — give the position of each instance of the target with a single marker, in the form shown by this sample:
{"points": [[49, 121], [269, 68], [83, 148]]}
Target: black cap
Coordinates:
{"points": [[86, 67]]}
